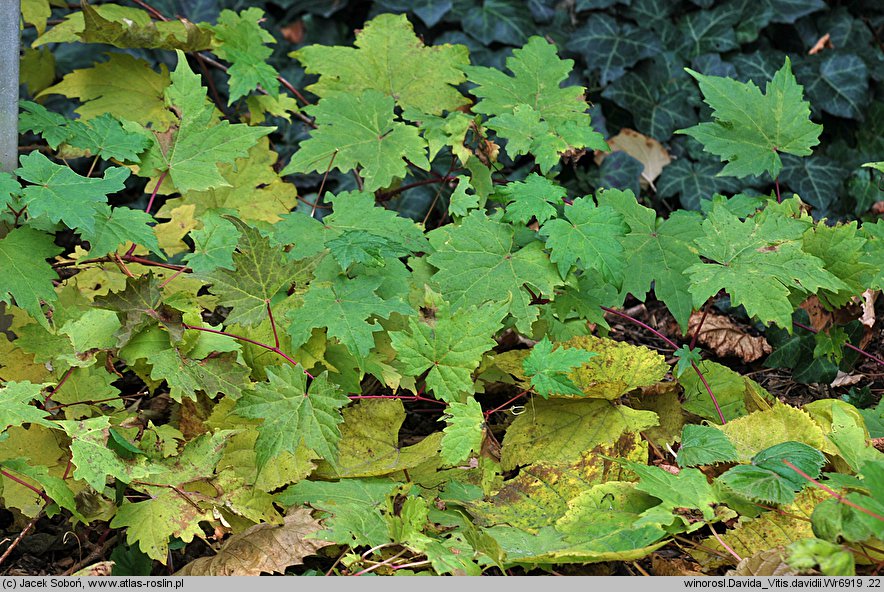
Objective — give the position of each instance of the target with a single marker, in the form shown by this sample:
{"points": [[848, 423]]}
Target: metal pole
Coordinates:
{"points": [[10, 43]]}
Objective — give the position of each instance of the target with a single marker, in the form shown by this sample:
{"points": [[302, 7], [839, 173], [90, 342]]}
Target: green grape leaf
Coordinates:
{"points": [[119, 226], [358, 130], [106, 88], [593, 235], [476, 264], [548, 369], [191, 155], [292, 414], [152, 522], [38, 119], [359, 246], [657, 251], [751, 129], [391, 59], [61, 195], [354, 504], [139, 305], [213, 244], [219, 374], [617, 367], [450, 346], [94, 462], [770, 480], [610, 46], [259, 273], [346, 306], [688, 490], [353, 212], [26, 276], [241, 41], [687, 357], [759, 263], [107, 137], [704, 445], [535, 197], [531, 109], [53, 486], [463, 434], [16, 408], [833, 559], [841, 248]]}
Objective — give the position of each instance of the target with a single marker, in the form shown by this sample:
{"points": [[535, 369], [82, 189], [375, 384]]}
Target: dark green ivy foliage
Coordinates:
{"points": [[631, 55]]}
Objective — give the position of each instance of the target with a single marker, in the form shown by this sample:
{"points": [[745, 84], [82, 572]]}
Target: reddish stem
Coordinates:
{"points": [[847, 345], [36, 490], [777, 186], [516, 398], [149, 206], [386, 195], [674, 346], [272, 325], [57, 386], [400, 397], [275, 350], [833, 493], [699, 326]]}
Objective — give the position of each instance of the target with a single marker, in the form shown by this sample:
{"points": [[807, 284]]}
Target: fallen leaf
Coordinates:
{"points": [[769, 562], [824, 42], [102, 568], [647, 151], [262, 548], [662, 566], [845, 379], [294, 32], [726, 338], [868, 306]]}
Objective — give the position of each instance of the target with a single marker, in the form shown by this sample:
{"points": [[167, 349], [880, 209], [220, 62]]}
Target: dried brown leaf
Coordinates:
{"points": [[769, 562], [726, 338], [663, 566], [262, 548], [824, 42], [647, 151]]}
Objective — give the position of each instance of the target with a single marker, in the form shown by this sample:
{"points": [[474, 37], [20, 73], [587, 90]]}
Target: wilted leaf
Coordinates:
{"points": [[647, 151], [726, 338]]}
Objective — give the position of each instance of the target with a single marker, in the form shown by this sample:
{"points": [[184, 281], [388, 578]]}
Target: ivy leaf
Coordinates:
{"points": [[591, 235], [26, 276], [704, 445], [710, 30], [259, 273], [836, 82], [450, 347], [610, 46], [358, 130], [751, 129], [498, 20], [242, 42], [293, 414], [656, 251], [758, 264], [346, 306], [535, 197], [16, 408], [816, 179], [390, 59], [463, 434], [693, 182], [192, 153], [686, 357], [548, 369], [476, 265], [152, 522], [61, 195], [119, 226], [769, 479], [530, 109], [106, 88]]}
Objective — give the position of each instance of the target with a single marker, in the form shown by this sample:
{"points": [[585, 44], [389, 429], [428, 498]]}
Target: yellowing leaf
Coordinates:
{"points": [[737, 395], [390, 58], [616, 368], [559, 430], [781, 423], [107, 88]]}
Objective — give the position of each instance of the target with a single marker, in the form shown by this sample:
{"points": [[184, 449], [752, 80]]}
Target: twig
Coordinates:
{"points": [[723, 544]]}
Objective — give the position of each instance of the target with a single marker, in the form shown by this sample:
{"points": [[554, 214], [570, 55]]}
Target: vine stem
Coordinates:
{"points": [[777, 186], [149, 206], [512, 400], [400, 397], [386, 195], [270, 348], [64, 379], [24, 483], [699, 325], [858, 350], [833, 493], [674, 346]]}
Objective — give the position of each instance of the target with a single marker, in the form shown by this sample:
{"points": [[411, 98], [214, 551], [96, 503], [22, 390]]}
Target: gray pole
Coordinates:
{"points": [[10, 41]]}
